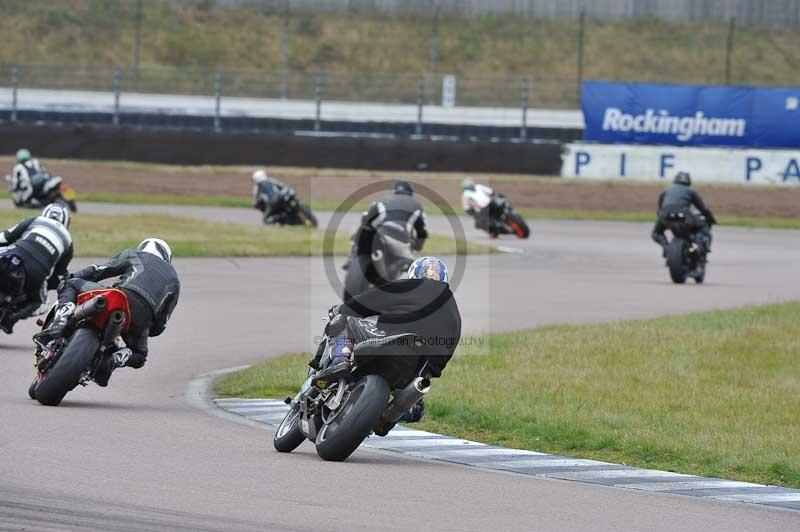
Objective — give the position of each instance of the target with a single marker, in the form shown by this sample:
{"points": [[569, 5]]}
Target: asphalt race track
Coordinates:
{"points": [[141, 455]]}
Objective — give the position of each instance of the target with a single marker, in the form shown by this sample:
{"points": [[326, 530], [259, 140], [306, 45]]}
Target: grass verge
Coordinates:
{"points": [[714, 394], [100, 236]]}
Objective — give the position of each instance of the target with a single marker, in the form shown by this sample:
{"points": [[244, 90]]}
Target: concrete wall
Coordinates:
{"points": [[197, 147]]}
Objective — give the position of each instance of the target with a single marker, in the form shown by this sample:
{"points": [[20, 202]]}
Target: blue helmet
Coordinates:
{"points": [[428, 268]]}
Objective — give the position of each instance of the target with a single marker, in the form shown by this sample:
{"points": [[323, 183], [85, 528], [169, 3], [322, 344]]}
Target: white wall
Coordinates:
{"points": [[657, 163]]}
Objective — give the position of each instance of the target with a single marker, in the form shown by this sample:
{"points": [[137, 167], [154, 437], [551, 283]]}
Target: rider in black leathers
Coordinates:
{"points": [[679, 200], [42, 245], [152, 288]]}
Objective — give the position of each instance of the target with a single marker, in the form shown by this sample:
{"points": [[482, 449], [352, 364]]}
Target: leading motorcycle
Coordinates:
{"points": [[93, 334], [287, 209], [386, 379], [47, 189], [12, 286], [377, 255], [685, 255], [504, 220]]}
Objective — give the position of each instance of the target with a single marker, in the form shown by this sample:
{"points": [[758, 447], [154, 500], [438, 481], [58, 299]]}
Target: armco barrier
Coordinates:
{"points": [[706, 165], [203, 147]]}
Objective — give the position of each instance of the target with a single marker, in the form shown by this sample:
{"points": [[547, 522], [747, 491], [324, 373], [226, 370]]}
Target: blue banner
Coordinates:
{"points": [[691, 115]]}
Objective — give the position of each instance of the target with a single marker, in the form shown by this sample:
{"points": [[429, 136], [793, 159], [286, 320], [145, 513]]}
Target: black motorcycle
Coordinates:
{"points": [[503, 220], [386, 380], [48, 189], [685, 254], [12, 288], [377, 256], [286, 209]]}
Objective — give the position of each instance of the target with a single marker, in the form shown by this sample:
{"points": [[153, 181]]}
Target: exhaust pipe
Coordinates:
{"points": [[89, 309], [406, 398], [113, 328]]}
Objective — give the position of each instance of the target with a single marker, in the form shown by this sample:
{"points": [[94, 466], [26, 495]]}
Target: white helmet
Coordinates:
{"points": [[259, 176], [157, 247], [57, 212]]}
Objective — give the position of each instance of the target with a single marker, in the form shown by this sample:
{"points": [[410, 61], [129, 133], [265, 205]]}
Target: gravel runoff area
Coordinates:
{"points": [[336, 185]]}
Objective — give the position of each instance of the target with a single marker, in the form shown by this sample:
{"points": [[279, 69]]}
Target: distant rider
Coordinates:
{"points": [[476, 199], [676, 202], [27, 178], [423, 305], [401, 208], [152, 287], [268, 193], [42, 246]]}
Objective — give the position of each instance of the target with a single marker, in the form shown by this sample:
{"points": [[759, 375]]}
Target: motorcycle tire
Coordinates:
{"points": [[32, 389], [676, 261], [518, 225], [701, 275], [342, 435], [288, 436], [66, 372], [310, 219]]}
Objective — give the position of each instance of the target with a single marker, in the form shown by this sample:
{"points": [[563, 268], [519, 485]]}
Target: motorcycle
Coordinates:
{"points": [[48, 189], [288, 210], [377, 256], [504, 220], [685, 256], [386, 379], [12, 284], [92, 335]]}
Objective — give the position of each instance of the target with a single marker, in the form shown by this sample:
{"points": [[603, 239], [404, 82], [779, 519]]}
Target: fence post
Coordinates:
{"points": [[433, 55], [729, 50], [117, 85], [581, 40], [137, 52], [420, 103], [14, 85], [218, 95], [523, 132], [318, 100], [285, 73]]}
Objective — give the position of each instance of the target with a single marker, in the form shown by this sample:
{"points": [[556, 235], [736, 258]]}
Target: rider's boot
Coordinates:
{"points": [[107, 366], [415, 413], [56, 329], [339, 367]]}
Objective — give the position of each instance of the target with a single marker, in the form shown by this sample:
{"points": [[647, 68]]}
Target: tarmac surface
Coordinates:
{"points": [[141, 455]]}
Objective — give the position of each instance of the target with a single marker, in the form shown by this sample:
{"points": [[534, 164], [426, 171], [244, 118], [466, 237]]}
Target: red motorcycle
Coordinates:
{"points": [[92, 335]]}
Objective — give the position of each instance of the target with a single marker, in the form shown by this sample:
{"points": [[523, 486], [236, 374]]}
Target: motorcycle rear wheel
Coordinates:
{"points": [[288, 435], [341, 436], [66, 372], [675, 261]]}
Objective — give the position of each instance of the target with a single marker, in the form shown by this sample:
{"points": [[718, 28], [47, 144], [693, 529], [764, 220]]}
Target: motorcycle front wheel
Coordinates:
{"points": [[288, 436], [518, 225], [341, 435]]}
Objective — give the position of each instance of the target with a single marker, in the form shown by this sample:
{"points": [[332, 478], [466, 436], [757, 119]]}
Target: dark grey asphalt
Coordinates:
{"points": [[140, 456]]}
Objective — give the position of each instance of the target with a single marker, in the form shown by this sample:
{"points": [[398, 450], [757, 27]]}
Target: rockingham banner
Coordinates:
{"points": [[691, 115], [661, 163]]}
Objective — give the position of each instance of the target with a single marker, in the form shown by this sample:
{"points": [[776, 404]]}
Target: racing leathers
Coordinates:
{"points": [[26, 178], [477, 202], [268, 194], [151, 286], [675, 207], [43, 246], [403, 209], [424, 307]]}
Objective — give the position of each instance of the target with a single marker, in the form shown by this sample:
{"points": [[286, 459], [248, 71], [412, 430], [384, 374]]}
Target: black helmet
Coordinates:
{"points": [[403, 187], [683, 178]]}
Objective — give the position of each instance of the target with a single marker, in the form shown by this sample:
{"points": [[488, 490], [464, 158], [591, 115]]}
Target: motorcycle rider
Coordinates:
{"points": [[476, 199], [42, 245], [152, 287], [423, 305], [401, 208], [268, 193], [676, 202], [26, 177]]}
